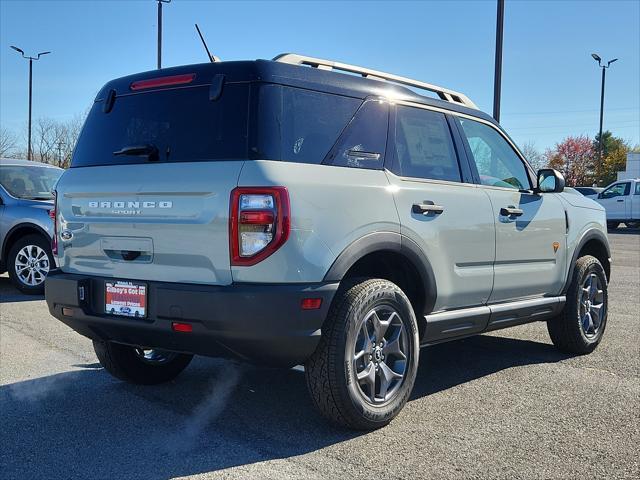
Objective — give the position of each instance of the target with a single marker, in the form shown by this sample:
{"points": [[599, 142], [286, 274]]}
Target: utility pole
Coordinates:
{"points": [[160, 2], [31, 59], [497, 78], [604, 67]]}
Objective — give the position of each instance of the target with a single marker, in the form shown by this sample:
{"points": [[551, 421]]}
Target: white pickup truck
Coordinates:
{"points": [[621, 200]]}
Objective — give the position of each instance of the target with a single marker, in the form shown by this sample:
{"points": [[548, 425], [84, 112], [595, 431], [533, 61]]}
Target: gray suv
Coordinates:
{"points": [[26, 225], [285, 213]]}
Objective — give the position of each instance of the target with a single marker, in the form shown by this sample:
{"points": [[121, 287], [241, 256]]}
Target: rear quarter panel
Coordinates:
{"points": [[330, 208]]}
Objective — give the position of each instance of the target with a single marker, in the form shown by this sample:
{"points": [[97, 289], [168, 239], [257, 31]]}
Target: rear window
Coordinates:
{"points": [[298, 125], [259, 121], [183, 124]]}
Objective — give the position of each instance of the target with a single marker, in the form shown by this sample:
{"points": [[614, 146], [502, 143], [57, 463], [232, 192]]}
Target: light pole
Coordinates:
{"points": [[497, 78], [31, 59], [160, 2], [604, 67]]}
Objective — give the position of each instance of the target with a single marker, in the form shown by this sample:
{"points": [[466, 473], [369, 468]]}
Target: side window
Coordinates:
{"points": [[637, 188], [364, 141], [297, 125], [423, 145], [617, 190], [498, 164]]}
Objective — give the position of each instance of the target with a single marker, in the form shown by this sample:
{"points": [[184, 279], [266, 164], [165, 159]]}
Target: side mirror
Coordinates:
{"points": [[550, 181], [600, 195]]}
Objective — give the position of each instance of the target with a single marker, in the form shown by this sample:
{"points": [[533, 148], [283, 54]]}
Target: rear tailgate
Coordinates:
{"points": [[147, 194], [166, 222]]}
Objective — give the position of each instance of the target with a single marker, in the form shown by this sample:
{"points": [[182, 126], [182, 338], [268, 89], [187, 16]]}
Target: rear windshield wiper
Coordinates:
{"points": [[148, 150]]}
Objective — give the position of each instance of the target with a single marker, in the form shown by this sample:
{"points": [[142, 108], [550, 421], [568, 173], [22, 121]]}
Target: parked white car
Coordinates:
{"points": [[621, 200]]}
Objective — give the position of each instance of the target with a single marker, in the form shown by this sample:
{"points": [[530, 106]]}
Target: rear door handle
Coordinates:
{"points": [[511, 211], [621, 200], [427, 207]]}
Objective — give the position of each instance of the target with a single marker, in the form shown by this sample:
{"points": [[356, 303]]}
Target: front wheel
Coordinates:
{"points": [[138, 365], [363, 371], [580, 326]]}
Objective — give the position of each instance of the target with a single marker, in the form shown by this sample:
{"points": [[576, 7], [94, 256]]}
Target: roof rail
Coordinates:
{"points": [[443, 93]]}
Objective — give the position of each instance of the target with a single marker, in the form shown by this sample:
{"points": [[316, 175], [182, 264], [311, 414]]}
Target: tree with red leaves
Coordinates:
{"points": [[575, 158]]}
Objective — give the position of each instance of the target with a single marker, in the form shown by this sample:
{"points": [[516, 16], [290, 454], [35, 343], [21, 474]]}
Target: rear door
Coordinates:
{"points": [[147, 194], [530, 227], [617, 201], [440, 209]]}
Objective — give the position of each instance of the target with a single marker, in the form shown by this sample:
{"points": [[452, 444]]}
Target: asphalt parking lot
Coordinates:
{"points": [[503, 405]]}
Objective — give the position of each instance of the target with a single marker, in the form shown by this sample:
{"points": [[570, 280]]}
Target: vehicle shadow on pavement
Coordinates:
{"points": [[216, 415], [9, 294]]}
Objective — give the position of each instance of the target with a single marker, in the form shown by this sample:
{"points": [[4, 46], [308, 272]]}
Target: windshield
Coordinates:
{"points": [[34, 183]]}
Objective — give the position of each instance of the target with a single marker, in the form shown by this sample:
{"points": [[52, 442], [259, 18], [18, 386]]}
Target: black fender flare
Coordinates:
{"points": [[387, 241], [587, 236], [9, 235]]}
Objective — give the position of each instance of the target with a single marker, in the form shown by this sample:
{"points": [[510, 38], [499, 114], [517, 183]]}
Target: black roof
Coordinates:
{"points": [[270, 71]]}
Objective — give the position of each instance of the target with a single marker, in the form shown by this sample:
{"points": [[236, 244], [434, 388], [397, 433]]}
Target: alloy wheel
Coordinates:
{"points": [[380, 355], [32, 265], [592, 305], [155, 356]]}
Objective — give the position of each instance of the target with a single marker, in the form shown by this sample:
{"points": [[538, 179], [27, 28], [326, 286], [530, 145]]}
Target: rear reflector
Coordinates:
{"points": [[256, 218], [311, 303], [181, 327], [163, 81]]}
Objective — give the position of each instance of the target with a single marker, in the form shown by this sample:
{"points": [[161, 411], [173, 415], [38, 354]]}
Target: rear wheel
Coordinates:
{"points": [[29, 262], [363, 371], [580, 326], [140, 366]]}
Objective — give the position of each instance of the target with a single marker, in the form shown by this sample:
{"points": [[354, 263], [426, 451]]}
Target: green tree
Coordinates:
{"points": [[614, 154], [614, 162]]}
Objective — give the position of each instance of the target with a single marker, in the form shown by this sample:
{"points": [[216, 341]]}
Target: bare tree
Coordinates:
{"points": [[8, 142], [53, 141], [536, 159]]}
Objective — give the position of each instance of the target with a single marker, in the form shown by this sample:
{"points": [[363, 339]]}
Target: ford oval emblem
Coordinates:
{"points": [[66, 235]]}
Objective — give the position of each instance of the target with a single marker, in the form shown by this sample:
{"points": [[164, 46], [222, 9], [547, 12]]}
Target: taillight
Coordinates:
{"points": [[258, 223], [52, 215]]}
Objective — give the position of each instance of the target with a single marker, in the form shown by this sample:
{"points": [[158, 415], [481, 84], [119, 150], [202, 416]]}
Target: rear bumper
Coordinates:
{"points": [[259, 323]]}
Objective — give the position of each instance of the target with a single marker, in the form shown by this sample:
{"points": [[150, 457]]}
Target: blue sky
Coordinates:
{"points": [[551, 85]]}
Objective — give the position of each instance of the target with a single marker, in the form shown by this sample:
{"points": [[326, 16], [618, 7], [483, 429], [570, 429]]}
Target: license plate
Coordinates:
{"points": [[127, 299]]}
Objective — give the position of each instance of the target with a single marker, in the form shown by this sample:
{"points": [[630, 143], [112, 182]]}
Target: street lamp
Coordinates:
{"points": [[31, 59], [604, 67], [160, 2]]}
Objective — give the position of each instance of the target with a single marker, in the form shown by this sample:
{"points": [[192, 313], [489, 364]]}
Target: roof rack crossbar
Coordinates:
{"points": [[319, 63]]}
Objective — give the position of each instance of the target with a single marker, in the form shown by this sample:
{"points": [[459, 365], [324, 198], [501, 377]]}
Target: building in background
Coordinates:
{"points": [[633, 167]]}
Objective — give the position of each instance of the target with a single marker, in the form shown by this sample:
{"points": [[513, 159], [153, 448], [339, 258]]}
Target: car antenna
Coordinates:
{"points": [[212, 58]]}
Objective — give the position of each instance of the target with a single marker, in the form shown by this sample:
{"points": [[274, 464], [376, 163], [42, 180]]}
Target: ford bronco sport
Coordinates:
{"points": [[285, 213]]}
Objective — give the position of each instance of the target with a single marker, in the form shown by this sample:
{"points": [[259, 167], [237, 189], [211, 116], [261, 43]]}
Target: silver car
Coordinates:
{"points": [[26, 226]]}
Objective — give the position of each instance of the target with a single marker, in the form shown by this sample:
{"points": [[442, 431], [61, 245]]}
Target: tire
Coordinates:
{"points": [[613, 225], [571, 331], [29, 262], [331, 371], [128, 363]]}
